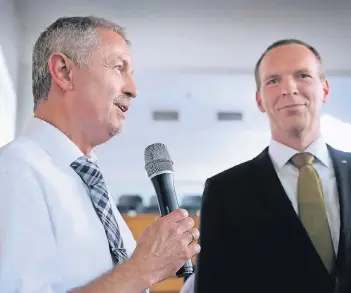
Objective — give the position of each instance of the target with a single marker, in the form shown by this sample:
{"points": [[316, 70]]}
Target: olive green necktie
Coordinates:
{"points": [[311, 208]]}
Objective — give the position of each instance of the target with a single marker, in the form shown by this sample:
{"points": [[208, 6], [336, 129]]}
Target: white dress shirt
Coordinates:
{"points": [[288, 175], [189, 285], [51, 239]]}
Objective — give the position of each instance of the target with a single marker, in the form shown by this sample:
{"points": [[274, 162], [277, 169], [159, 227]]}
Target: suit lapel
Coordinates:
{"points": [[273, 188], [342, 164]]}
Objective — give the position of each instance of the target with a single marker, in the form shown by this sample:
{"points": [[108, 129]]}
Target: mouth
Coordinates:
{"points": [[294, 106], [122, 106]]}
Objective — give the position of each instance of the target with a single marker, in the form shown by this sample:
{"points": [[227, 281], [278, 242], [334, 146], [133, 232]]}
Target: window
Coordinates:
{"points": [[7, 104]]}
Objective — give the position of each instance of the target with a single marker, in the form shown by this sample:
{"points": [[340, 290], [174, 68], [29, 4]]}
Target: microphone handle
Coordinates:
{"points": [[168, 202]]}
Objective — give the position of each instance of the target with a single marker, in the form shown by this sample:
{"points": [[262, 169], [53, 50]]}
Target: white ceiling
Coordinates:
{"points": [[207, 36]]}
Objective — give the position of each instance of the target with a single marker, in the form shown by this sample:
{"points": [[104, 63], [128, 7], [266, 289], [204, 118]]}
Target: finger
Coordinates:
{"points": [[194, 248], [185, 224], [191, 235], [195, 233], [177, 215]]}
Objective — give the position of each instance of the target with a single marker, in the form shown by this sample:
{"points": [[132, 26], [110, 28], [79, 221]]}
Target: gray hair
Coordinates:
{"points": [[76, 37]]}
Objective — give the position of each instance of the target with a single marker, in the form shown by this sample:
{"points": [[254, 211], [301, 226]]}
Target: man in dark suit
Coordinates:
{"points": [[281, 222]]}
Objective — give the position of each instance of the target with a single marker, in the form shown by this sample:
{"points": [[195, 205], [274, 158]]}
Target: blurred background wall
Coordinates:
{"points": [[194, 65]]}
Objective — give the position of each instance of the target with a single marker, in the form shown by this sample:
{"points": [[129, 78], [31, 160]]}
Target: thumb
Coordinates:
{"points": [[177, 215]]}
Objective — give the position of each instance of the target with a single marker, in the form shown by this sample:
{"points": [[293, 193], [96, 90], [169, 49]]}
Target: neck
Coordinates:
{"points": [[299, 142], [59, 116]]}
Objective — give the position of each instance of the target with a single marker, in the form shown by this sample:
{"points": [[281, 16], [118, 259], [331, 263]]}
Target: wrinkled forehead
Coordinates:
{"points": [[114, 51], [112, 46], [109, 37]]}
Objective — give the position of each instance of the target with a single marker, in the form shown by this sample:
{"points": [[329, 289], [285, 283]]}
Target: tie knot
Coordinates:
{"points": [[302, 159], [87, 170]]}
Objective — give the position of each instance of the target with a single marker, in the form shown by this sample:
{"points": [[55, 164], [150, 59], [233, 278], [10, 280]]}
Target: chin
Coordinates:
{"points": [[296, 130], [115, 129]]}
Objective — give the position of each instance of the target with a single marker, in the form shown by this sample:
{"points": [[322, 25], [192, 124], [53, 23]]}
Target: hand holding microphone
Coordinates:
{"points": [[167, 246]]}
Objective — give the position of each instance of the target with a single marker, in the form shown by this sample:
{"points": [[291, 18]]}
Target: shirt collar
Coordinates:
{"points": [[281, 153], [54, 142]]}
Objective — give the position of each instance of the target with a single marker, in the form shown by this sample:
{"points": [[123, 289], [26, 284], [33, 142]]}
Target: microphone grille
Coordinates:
{"points": [[157, 159]]}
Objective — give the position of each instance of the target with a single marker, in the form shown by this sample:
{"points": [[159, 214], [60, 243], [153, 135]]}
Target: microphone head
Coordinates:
{"points": [[157, 160]]}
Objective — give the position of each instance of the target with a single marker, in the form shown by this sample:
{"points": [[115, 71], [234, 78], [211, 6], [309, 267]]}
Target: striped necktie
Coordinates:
{"points": [[92, 177]]}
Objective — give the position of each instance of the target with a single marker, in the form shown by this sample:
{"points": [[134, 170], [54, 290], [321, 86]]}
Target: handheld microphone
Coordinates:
{"points": [[159, 168]]}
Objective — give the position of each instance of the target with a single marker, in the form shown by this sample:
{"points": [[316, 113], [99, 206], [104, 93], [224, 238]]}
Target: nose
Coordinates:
{"points": [[129, 87], [288, 87]]}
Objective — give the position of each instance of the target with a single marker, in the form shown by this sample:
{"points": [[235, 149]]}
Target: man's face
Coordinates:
{"points": [[102, 92], [292, 90]]}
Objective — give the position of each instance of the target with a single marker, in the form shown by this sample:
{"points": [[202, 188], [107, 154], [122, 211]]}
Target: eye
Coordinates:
{"points": [[272, 81], [118, 67], [303, 75]]}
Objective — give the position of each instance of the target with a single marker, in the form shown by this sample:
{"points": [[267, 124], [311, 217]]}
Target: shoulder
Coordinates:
{"points": [[240, 173], [240, 170], [22, 168], [234, 184], [338, 152], [16, 162], [338, 155], [21, 192], [22, 149], [237, 181], [23, 155]]}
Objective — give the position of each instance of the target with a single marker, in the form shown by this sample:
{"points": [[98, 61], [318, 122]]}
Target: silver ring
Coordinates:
{"points": [[192, 235]]}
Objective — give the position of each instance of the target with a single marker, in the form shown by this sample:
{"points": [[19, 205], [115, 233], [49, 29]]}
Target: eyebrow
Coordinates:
{"points": [[302, 70], [273, 76], [114, 57]]}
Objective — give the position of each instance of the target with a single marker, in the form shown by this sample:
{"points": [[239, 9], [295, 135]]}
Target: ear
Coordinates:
{"points": [[325, 91], [60, 68], [259, 102]]}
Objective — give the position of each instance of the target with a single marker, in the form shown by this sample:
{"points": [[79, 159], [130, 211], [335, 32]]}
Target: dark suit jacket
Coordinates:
{"points": [[253, 241]]}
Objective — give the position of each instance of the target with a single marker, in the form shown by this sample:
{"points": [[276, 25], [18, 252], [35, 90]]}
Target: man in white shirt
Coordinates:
{"points": [[60, 230], [286, 214]]}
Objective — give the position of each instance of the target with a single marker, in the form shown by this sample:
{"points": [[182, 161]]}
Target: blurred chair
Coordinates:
{"points": [[192, 203], [152, 208], [130, 203]]}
